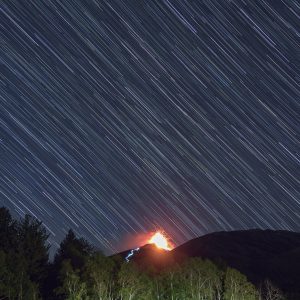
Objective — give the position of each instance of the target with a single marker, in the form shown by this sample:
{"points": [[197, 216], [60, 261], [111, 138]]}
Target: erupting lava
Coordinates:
{"points": [[160, 241]]}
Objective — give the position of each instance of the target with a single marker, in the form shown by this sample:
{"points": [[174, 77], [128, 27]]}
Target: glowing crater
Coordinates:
{"points": [[160, 241]]}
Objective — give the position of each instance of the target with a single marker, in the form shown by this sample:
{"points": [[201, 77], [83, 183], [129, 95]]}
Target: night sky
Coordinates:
{"points": [[120, 117]]}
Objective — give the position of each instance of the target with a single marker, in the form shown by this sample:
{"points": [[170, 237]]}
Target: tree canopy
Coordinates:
{"points": [[79, 272]]}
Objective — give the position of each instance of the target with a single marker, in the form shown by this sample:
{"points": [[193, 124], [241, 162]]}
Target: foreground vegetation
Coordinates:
{"points": [[78, 272]]}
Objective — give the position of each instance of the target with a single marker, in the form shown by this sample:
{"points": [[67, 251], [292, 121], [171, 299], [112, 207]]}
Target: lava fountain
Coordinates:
{"points": [[160, 240]]}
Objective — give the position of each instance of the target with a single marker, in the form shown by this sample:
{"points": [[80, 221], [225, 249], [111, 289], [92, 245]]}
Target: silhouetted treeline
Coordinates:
{"points": [[78, 272]]}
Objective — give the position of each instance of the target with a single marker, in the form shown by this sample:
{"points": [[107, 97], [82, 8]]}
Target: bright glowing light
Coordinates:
{"points": [[131, 253], [160, 241]]}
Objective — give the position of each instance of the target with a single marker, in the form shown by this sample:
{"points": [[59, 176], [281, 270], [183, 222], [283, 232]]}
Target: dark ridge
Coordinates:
{"points": [[259, 254]]}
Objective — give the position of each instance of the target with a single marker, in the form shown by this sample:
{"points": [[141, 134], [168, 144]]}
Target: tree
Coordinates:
{"points": [[24, 256], [74, 250], [202, 279], [7, 230], [32, 239], [135, 283], [99, 273], [4, 275], [169, 285], [14, 279], [270, 292], [73, 287], [237, 286], [77, 250], [193, 279]]}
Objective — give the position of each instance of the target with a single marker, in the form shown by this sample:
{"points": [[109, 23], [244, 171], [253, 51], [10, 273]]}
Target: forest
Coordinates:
{"points": [[79, 271]]}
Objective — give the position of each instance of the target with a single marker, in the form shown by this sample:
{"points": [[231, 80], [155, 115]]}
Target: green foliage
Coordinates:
{"points": [[15, 282], [8, 230], [134, 284], [201, 278], [73, 288], [23, 257], [80, 273], [169, 285], [194, 279], [77, 250], [32, 238], [237, 287], [99, 273]]}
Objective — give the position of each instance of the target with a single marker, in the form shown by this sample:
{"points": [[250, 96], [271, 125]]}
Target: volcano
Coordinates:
{"points": [[259, 254]]}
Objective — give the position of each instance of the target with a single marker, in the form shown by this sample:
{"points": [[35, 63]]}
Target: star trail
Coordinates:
{"points": [[119, 117]]}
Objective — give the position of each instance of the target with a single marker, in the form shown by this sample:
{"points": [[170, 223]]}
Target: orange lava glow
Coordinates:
{"points": [[161, 241]]}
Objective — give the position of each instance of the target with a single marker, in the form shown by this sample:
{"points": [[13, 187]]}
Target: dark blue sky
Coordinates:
{"points": [[119, 117]]}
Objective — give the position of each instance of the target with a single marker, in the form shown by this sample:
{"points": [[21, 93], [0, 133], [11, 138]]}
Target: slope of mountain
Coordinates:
{"points": [[259, 254]]}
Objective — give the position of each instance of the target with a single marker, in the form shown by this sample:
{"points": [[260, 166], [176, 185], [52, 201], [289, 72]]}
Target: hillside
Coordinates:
{"points": [[259, 254]]}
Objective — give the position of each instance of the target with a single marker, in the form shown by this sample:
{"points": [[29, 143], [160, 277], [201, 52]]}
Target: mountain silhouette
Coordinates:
{"points": [[259, 254]]}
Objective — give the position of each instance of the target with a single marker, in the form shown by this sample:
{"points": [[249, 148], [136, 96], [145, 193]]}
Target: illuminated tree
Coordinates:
{"points": [[237, 287], [73, 288], [135, 284], [194, 279], [271, 292], [99, 273]]}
